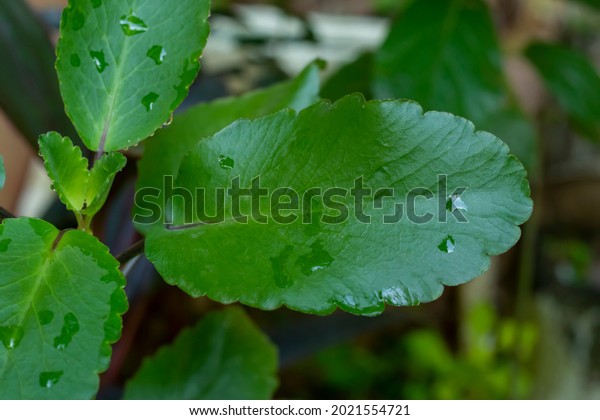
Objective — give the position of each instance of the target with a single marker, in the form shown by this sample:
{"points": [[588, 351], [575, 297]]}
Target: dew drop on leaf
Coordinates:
{"points": [[77, 20], [317, 259], [186, 78], [157, 53], [75, 60], [4, 244], [169, 121], [149, 100], [99, 60], [68, 331], [49, 379], [282, 279], [455, 203], [447, 245], [132, 25], [45, 317], [226, 162], [11, 336]]}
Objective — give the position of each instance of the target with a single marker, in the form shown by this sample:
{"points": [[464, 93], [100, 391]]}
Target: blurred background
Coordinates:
{"points": [[526, 70]]}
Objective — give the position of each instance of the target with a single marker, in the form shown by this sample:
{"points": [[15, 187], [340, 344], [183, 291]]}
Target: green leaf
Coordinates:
{"points": [[444, 54], [164, 152], [124, 66], [574, 81], [2, 173], [81, 190], [315, 265], [225, 356], [352, 78], [60, 309]]}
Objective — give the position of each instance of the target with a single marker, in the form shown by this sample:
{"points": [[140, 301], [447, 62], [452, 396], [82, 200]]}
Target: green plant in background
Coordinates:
{"points": [[124, 67]]}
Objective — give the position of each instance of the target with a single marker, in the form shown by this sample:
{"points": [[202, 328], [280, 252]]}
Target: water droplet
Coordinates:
{"points": [[455, 203], [4, 244], [447, 245], [49, 379], [99, 60], [282, 279], [45, 317], [77, 19], [75, 60], [96, 3], [11, 336], [69, 329], [169, 121], [149, 100], [226, 162], [317, 259], [132, 25], [157, 53]]}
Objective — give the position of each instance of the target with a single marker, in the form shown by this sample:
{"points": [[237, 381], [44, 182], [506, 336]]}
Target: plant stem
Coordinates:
{"points": [[132, 252]]}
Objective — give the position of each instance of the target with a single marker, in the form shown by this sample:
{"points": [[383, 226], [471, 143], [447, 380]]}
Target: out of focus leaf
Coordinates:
{"points": [[351, 78], [444, 54], [28, 85], [225, 356], [574, 81]]}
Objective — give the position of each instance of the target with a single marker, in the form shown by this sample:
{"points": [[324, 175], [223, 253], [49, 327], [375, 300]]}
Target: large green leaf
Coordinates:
{"points": [[224, 357], [60, 309], [165, 150], [574, 81], [125, 65], [81, 190], [317, 265], [444, 54]]}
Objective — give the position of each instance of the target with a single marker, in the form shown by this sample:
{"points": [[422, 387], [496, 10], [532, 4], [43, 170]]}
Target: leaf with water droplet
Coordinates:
{"points": [[75, 60], [132, 25], [185, 370], [447, 245], [162, 156], [124, 43], [226, 162], [60, 314], [336, 260], [149, 100], [463, 74], [157, 53]]}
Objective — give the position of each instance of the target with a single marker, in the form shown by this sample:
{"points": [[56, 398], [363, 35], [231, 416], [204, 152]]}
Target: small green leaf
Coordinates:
{"points": [[2, 173], [115, 91], [574, 81], [225, 356], [315, 264], [445, 55], [165, 150], [67, 169], [83, 191], [60, 310]]}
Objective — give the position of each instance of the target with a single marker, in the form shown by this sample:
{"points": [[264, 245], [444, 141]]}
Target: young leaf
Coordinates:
{"points": [[225, 356], [67, 169], [166, 149], [81, 190], [60, 309], [124, 66], [320, 259], [444, 54], [574, 81]]}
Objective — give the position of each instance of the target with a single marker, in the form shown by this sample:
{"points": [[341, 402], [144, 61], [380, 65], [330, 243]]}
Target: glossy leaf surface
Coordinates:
{"points": [[163, 153], [317, 264], [124, 66], [60, 310], [225, 356]]}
